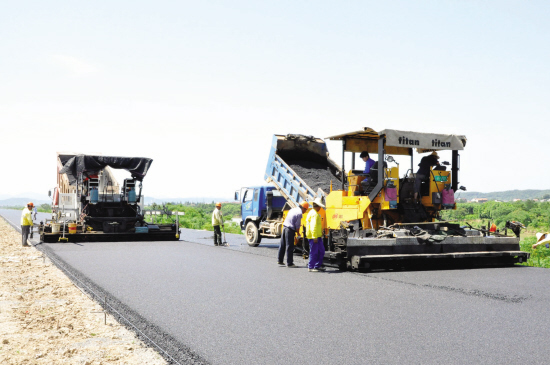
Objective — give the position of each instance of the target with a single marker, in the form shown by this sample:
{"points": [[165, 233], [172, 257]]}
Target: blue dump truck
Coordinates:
{"points": [[300, 170]]}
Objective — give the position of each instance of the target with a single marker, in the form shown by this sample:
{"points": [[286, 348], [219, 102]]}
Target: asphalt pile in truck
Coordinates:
{"points": [[317, 175]]}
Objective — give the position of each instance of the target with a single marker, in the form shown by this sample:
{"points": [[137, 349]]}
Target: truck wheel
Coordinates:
{"points": [[252, 235]]}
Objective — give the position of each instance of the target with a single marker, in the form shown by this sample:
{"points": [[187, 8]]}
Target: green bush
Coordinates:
{"points": [[44, 208]]}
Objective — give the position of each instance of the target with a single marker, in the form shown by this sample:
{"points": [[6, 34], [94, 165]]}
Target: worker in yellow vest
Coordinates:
{"points": [[26, 223], [314, 233]]}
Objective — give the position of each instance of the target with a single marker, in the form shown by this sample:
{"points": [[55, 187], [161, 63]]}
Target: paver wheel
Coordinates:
{"points": [[252, 235]]}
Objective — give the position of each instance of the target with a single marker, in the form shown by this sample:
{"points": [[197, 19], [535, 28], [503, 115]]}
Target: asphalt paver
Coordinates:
{"points": [[231, 305]]}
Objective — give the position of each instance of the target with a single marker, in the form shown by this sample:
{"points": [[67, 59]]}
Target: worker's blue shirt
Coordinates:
{"points": [[293, 219], [368, 165]]}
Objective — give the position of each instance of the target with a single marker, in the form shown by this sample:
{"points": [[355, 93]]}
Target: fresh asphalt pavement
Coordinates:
{"points": [[234, 305]]}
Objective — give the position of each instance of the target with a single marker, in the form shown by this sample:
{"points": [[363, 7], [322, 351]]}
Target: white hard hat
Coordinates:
{"points": [[318, 202]]}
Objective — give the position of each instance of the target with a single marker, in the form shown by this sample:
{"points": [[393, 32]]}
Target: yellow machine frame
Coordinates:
{"points": [[343, 206]]}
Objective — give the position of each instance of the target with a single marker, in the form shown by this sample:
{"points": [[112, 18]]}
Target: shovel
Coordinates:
{"points": [[63, 238], [224, 240], [64, 221]]}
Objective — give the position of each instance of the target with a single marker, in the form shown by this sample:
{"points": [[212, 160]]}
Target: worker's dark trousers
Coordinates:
{"points": [[418, 183], [287, 244], [25, 231], [217, 236]]}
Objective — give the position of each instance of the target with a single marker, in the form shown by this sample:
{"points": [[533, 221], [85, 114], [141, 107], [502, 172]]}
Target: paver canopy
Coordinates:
{"points": [[400, 142], [91, 165]]}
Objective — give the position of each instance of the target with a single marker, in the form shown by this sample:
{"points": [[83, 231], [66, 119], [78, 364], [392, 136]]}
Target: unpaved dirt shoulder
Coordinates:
{"points": [[45, 319]]}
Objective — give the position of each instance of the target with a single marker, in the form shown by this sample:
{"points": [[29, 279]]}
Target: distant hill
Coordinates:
{"points": [[12, 202], [149, 201], [28, 195], [508, 195]]}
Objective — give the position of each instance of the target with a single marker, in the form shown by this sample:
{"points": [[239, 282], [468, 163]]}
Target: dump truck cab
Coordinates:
{"points": [[261, 212]]}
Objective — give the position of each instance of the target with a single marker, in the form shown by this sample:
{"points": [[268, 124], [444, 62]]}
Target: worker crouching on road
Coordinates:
{"points": [[314, 233], [291, 226], [26, 223], [217, 221]]}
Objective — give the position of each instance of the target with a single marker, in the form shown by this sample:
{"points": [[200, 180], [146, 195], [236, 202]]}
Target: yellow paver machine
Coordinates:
{"points": [[375, 220]]}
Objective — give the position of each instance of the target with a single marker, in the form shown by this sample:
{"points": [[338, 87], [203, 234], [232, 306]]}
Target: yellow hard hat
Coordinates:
{"points": [[218, 204], [304, 205], [30, 204]]}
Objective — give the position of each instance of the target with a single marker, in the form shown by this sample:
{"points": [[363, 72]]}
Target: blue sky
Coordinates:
{"points": [[201, 87]]}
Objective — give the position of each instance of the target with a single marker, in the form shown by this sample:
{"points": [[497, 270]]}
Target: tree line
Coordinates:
{"points": [[508, 195], [199, 216], [43, 208], [534, 215]]}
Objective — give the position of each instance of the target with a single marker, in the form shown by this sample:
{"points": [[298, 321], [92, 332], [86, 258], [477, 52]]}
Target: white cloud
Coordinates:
{"points": [[75, 65]]}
